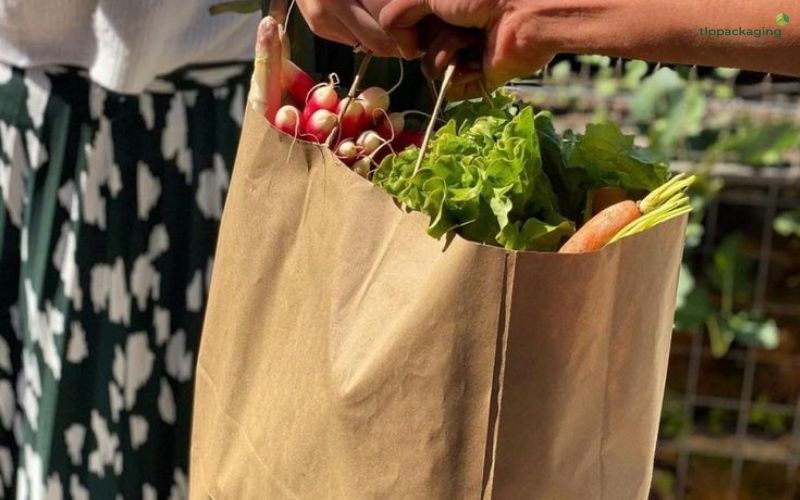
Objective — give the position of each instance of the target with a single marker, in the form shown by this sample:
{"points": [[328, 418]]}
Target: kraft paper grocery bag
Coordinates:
{"points": [[348, 355]]}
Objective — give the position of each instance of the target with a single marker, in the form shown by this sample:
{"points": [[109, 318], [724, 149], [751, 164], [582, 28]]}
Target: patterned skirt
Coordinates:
{"points": [[108, 220]]}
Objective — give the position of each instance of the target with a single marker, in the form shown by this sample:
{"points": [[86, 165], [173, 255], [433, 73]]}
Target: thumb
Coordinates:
{"points": [[495, 64], [504, 58]]}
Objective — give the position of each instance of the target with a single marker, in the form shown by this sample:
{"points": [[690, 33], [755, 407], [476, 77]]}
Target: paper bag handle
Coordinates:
{"points": [[437, 109], [351, 94]]}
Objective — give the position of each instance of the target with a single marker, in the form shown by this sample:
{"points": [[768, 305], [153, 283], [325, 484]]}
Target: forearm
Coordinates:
{"points": [[671, 31]]}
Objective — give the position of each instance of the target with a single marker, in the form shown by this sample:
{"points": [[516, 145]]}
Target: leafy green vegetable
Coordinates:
{"points": [[554, 164], [504, 176], [604, 156], [484, 177], [498, 105]]}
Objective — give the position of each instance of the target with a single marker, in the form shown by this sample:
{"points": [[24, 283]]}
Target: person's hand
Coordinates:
{"points": [[353, 22], [502, 32]]}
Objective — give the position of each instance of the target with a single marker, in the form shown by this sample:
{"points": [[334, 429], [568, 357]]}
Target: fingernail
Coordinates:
{"points": [[267, 35]]}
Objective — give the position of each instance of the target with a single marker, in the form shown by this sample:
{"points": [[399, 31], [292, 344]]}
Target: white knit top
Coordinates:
{"points": [[124, 44]]}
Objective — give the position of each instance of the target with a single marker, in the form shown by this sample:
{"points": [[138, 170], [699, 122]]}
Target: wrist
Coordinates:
{"points": [[609, 27], [570, 26]]}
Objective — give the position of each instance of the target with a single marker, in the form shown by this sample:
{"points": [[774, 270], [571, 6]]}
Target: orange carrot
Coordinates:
{"points": [[602, 227]]}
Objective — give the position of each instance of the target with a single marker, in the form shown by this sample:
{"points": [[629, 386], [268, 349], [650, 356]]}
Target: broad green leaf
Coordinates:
{"points": [[604, 156], [534, 235], [501, 206], [499, 106]]}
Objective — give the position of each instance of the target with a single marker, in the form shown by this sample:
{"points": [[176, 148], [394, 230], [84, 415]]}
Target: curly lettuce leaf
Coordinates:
{"points": [[484, 178], [498, 105], [505, 177]]}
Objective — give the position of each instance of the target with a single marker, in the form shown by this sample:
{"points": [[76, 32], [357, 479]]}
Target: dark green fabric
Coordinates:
{"points": [[109, 214], [108, 222]]}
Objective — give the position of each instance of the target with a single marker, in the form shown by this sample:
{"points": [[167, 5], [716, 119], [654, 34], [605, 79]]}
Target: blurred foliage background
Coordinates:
{"points": [[731, 417]]}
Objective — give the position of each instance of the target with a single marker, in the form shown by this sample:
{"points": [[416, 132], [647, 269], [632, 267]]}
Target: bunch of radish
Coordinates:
{"points": [[366, 133]]}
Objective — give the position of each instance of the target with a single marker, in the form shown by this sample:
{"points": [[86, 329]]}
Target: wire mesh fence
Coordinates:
{"points": [[738, 413], [764, 192]]}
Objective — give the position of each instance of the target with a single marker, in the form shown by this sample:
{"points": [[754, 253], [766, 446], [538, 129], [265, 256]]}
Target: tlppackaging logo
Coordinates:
{"points": [[782, 19]]}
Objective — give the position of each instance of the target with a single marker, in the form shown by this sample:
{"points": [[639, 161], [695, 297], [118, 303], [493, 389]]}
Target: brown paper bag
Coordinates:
{"points": [[347, 355]]}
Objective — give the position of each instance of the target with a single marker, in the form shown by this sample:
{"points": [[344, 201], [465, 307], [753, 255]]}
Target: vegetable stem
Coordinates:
{"points": [[662, 204], [351, 94]]}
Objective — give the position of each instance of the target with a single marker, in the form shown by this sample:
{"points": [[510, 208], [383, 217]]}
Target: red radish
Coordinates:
{"points": [[408, 138], [322, 97], [287, 120], [375, 101], [297, 82], [370, 141], [347, 151], [373, 151], [362, 166], [320, 125], [353, 118], [391, 125]]}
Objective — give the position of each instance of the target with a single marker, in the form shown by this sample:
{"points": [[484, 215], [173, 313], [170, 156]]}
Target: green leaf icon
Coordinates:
{"points": [[782, 19]]}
